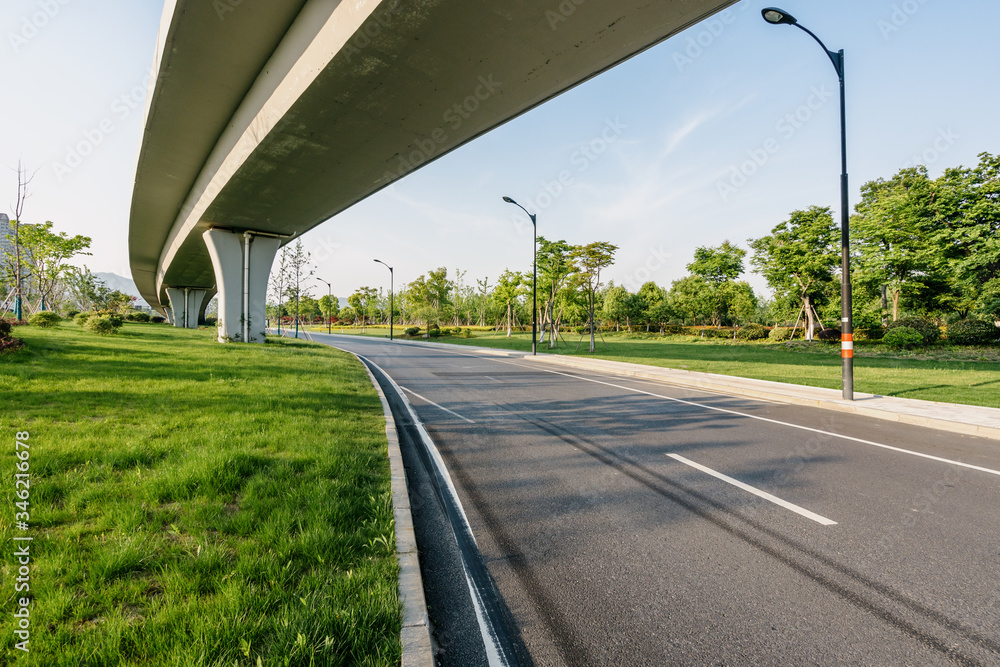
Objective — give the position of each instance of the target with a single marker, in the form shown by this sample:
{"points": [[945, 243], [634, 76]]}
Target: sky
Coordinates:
{"points": [[715, 134]]}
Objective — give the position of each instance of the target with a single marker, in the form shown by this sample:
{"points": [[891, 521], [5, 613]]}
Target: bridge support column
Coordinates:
{"points": [[169, 312], [242, 263], [186, 305]]}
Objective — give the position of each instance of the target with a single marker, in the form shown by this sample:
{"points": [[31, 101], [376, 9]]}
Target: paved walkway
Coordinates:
{"points": [[965, 419]]}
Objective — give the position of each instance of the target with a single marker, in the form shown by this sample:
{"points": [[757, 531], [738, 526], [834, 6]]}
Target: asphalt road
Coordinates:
{"points": [[622, 520]]}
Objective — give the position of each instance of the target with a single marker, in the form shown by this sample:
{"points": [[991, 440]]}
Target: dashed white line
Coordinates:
{"points": [[440, 407], [755, 491]]}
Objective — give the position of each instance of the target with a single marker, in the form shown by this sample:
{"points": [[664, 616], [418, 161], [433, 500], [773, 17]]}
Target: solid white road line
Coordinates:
{"points": [[757, 492], [440, 407], [771, 421]]}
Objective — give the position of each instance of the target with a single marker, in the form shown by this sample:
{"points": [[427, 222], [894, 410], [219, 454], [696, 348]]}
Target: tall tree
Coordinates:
{"points": [[588, 262], [798, 259], [47, 253], [362, 301], [509, 288], [719, 264], [555, 264], [300, 270], [968, 205], [280, 278], [719, 267], [430, 295], [16, 263], [893, 238], [691, 297]]}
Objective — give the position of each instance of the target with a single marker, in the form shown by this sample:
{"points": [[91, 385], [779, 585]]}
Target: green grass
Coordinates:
{"points": [[198, 504], [969, 376]]}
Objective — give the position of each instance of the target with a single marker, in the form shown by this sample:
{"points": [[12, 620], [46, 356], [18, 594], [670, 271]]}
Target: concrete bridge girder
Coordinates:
{"points": [[277, 116]]}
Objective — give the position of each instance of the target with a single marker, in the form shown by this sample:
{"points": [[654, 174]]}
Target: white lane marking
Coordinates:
{"points": [[755, 491], [490, 378], [774, 421], [440, 407]]}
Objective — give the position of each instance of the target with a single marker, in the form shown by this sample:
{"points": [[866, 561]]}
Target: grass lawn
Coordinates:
{"points": [[193, 503], [969, 376]]}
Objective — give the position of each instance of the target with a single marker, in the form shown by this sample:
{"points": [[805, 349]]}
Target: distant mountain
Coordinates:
{"points": [[122, 284]]}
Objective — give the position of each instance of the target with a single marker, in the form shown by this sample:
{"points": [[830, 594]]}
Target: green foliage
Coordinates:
{"points": [[893, 236], [157, 319], [412, 331], [902, 338], [103, 325], [80, 319], [752, 332], [138, 316], [5, 329], [800, 256], [972, 332], [868, 326], [718, 265], [71, 313], [779, 334], [45, 319], [929, 331]]}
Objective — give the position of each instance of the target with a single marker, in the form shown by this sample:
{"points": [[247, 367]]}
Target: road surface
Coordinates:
{"points": [[630, 522]]}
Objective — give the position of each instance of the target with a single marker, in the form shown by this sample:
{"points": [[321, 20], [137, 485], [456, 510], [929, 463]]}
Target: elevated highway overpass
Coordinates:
{"points": [[265, 119]]}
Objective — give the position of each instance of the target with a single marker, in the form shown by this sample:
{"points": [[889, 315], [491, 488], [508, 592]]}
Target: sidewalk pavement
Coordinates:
{"points": [[964, 419]]}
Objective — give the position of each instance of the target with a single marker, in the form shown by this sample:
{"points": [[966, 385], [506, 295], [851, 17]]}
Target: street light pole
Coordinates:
{"points": [[776, 16], [329, 299], [391, 307], [534, 275]]}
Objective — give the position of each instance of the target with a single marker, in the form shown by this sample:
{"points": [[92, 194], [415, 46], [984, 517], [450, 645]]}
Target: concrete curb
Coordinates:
{"points": [[415, 634]]}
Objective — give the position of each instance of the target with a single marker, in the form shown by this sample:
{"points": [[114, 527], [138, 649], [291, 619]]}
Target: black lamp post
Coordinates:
{"points": [[534, 274], [776, 16], [391, 309], [329, 298]]}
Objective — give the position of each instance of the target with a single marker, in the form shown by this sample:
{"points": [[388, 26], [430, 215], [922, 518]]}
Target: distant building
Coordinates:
{"points": [[6, 236]]}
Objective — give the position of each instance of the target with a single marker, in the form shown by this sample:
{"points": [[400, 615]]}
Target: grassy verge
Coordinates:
{"points": [[969, 376], [198, 504]]}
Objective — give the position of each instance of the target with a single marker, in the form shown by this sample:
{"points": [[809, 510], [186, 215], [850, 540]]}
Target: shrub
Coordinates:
{"points": [[81, 318], [412, 331], [903, 338], [829, 335], [4, 329], [45, 319], [752, 332], [103, 325], [71, 313], [869, 332], [157, 319], [929, 331], [142, 318], [780, 333], [972, 332], [214, 321]]}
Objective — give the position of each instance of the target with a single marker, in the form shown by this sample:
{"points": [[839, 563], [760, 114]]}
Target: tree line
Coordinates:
{"points": [[919, 246]]}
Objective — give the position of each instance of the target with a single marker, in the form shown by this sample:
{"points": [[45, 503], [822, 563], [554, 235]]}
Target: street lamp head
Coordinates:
{"points": [[509, 200], [777, 16]]}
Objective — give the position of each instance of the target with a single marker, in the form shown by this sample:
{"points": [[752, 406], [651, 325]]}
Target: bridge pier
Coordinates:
{"points": [[242, 263], [186, 305]]}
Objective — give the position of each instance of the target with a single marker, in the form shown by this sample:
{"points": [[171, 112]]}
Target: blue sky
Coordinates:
{"points": [[718, 133]]}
